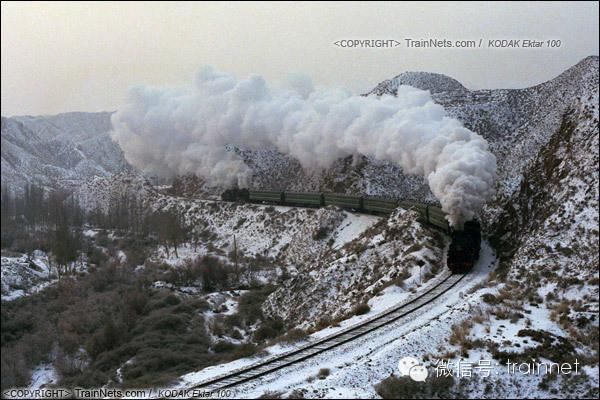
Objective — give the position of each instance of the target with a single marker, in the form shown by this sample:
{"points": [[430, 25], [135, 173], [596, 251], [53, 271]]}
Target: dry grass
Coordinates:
{"points": [[460, 335]]}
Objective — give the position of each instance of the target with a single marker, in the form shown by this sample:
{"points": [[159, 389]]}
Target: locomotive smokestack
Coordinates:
{"points": [[186, 130]]}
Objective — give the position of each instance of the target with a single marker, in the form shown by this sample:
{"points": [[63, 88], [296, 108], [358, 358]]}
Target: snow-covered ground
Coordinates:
{"points": [[356, 366], [43, 375], [22, 276], [352, 227]]}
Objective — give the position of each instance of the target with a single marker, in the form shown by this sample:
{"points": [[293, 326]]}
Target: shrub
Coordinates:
{"points": [[135, 301], [223, 346], [250, 304], [241, 221], [244, 350], [406, 388], [460, 332], [162, 320], [14, 369], [489, 298], [398, 280], [96, 256], [295, 335], [296, 394], [172, 300], [233, 320], [87, 379], [323, 322], [268, 330], [323, 373], [271, 395], [320, 233], [215, 275], [361, 309]]}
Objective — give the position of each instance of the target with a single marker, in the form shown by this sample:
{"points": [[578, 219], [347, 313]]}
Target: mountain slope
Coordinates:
{"points": [[516, 122], [61, 150], [435, 83]]}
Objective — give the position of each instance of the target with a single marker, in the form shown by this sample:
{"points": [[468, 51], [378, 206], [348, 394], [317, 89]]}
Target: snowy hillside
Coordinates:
{"points": [[435, 83], [22, 275], [61, 150], [100, 192], [395, 252], [516, 122]]}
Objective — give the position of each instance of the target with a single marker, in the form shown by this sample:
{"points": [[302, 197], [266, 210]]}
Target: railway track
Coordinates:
{"points": [[311, 349]]}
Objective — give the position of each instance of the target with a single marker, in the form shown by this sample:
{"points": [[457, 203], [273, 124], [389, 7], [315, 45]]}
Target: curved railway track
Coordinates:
{"points": [[336, 339]]}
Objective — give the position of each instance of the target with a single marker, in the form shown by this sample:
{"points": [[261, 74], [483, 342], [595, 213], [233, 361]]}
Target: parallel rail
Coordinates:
{"points": [[336, 339]]}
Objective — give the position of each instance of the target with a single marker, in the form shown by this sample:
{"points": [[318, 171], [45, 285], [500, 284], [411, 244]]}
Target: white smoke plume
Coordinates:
{"points": [[176, 131]]}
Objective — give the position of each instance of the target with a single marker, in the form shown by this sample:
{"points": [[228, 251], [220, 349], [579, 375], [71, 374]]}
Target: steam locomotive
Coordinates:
{"points": [[464, 247]]}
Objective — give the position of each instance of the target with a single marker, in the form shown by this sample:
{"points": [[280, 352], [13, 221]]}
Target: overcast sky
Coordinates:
{"points": [[83, 57]]}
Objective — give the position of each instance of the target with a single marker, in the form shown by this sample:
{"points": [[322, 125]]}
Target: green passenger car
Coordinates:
{"points": [[378, 205], [266, 195], [303, 199], [343, 201]]}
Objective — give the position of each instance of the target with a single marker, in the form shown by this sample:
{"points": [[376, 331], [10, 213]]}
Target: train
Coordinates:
{"points": [[366, 204], [465, 243]]}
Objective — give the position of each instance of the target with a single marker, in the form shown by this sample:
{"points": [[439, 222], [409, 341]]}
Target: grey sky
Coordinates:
{"points": [[83, 57]]}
